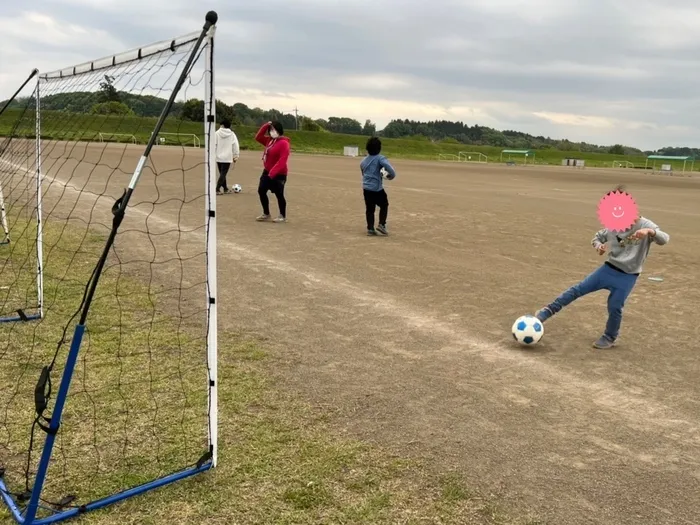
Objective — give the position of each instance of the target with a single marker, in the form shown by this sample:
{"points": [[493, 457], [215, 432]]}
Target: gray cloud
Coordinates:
{"points": [[628, 65]]}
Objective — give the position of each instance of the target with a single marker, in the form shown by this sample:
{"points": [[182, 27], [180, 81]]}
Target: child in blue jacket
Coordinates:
{"points": [[372, 167]]}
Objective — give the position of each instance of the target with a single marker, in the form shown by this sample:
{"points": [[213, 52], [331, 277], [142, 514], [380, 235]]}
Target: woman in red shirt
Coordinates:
{"points": [[274, 175]]}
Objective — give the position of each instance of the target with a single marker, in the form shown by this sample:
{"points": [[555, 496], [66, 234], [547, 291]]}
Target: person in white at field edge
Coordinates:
{"points": [[227, 152]]}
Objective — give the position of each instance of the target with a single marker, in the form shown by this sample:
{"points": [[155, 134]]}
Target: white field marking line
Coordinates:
{"points": [[636, 409]]}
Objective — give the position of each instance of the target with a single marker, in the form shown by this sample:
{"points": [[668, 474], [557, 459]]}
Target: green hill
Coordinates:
{"points": [[108, 100], [95, 127]]}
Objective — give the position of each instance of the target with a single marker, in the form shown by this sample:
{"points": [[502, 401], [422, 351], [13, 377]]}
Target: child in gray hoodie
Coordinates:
{"points": [[627, 252]]}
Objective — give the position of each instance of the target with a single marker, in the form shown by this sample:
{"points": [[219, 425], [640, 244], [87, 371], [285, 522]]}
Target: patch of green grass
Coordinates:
{"points": [[453, 489], [64, 126]]}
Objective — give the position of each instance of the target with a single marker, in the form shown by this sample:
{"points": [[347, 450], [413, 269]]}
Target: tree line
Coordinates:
{"points": [[109, 100]]}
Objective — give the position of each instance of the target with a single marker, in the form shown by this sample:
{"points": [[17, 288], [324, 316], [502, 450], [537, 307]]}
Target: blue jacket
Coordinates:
{"points": [[371, 167]]}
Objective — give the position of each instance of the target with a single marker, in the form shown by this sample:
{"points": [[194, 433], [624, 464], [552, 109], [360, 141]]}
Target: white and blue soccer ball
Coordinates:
{"points": [[528, 330], [384, 173], [237, 188]]}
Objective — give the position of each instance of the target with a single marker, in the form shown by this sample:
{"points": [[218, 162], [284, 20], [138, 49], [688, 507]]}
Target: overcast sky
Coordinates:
{"points": [[602, 71]]}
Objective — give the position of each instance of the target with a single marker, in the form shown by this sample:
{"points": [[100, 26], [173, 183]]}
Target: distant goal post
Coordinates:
{"points": [[448, 157], [351, 151], [117, 137], [472, 156], [622, 164], [179, 139]]}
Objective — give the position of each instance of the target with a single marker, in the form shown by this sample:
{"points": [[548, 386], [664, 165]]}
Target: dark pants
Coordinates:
{"points": [[618, 283], [372, 200], [223, 171], [276, 186]]}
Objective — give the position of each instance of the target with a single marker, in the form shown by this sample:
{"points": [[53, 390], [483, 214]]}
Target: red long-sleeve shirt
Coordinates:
{"points": [[276, 152]]}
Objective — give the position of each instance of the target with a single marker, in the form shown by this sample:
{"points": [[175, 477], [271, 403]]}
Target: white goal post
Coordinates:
{"points": [[351, 151], [191, 139], [105, 137], [622, 164], [472, 156], [448, 157], [151, 416]]}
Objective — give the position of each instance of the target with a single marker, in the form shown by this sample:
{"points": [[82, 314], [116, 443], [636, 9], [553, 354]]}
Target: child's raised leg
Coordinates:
{"points": [[592, 283]]}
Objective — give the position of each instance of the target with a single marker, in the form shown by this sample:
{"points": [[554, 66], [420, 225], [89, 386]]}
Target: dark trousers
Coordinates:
{"points": [[223, 171], [372, 200], [276, 186]]}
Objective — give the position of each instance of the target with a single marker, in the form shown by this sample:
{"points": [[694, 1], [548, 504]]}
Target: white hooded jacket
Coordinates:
{"points": [[227, 147]]}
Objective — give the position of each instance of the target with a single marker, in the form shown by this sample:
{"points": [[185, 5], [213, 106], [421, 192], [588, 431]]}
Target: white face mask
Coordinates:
{"points": [[273, 133]]}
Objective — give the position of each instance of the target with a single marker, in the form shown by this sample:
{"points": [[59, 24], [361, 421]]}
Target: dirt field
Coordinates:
{"points": [[405, 340]]}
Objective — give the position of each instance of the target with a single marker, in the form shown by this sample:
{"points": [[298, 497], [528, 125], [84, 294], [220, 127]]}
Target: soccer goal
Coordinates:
{"points": [[472, 156], [622, 164], [448, 157], [21, 272], [180, 139], [351, 151], [113, 392], [117, 137]]}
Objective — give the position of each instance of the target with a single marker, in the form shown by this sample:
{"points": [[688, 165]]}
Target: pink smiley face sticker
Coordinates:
{"points": [[617, 211]]}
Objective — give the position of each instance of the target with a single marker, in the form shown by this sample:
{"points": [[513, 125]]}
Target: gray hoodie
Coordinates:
{"points": [[627, 254]]}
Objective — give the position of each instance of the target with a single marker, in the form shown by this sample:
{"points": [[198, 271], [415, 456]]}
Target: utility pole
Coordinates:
{"points": [[296, 117]]}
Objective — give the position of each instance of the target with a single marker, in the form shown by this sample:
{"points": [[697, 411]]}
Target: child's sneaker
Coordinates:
{"points": [[372, 232], [382, 229], [262, 218], [543, 314], [604, 342], [280, 219]]}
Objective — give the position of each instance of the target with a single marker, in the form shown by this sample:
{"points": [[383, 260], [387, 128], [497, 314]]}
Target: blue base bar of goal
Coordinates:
{"points": [[10, 502], [17, 318], [100, 503]]}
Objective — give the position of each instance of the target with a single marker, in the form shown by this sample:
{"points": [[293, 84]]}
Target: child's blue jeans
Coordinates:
{"points": [[606, 277]]}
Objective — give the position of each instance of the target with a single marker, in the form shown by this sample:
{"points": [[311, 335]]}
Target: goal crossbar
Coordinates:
{"points": [[138, 53]]}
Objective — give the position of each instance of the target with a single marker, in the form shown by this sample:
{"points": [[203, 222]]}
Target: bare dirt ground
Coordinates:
{"points": [[406, 339]]}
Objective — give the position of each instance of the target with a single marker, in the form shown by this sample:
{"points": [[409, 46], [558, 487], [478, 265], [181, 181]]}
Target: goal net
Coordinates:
{"points": [[472, 156], [113, 392], [622, 164], [20, 207], [448, 157]]}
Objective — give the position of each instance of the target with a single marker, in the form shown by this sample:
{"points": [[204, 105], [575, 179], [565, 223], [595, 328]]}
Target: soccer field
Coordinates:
{"points": [[406, 339]]}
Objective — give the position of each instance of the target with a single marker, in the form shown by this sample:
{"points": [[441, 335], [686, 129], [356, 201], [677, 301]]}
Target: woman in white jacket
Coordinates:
{"points": [[227, 151]]}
